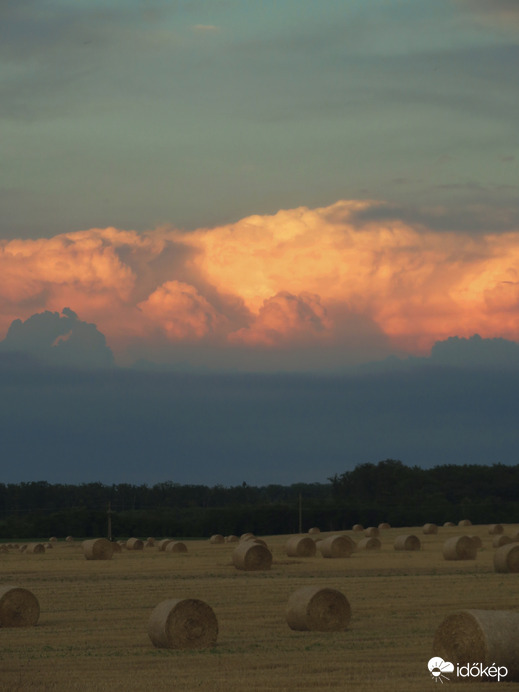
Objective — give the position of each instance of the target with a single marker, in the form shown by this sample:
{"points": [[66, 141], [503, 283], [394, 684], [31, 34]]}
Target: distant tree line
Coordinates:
{"points": [[371, 493]]}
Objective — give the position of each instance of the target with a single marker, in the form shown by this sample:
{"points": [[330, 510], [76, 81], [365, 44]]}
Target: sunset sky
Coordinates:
{"points": [[267, 187]]}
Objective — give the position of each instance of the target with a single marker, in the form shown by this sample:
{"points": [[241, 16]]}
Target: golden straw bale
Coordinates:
{"points": [[407, 542], [134, 544], [429, 529], [500, 540], [449, 524], [495, 529], [384, 525], [367, 543], [48, 545], [98, 549], [161, 545], [116, 547], [357, 527], [477, 540], [464, 522], [23, 548], [4, 549], [217, 538], [314, 529], [176, 547], [18, 607], [53, 539], [183, 624], [300, 546], [35, 548], [337, 546], [459, 548], [372, 532], [247, 536], [486, 637], [231, 539], [318, 609], [506, 558], [260, 541], [150, 541], [251, 556], [70, 539]]}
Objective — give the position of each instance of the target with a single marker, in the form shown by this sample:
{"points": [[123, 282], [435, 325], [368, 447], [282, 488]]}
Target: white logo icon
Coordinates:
{"points": [[438, 667]]}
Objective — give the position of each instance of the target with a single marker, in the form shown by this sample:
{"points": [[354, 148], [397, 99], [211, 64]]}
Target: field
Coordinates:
{"points": [[92, 631]]}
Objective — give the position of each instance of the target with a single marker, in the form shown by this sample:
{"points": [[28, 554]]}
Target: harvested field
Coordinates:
{"points": [[92, 631]]}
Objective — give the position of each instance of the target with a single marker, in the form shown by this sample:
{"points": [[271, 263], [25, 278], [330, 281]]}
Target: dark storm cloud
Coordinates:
{"points": [[56, 339], [145, 427]]}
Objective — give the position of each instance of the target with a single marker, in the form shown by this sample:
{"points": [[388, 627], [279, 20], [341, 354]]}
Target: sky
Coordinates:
{"points": [[310, 192]]}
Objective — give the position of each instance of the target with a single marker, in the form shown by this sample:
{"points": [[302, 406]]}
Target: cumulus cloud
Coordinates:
{"points": [[295, 278], [58, 340], [283, 318], [181, 312]]}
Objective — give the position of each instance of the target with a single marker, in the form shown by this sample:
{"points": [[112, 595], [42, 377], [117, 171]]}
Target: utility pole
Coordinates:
{"points": [[109, 513]]}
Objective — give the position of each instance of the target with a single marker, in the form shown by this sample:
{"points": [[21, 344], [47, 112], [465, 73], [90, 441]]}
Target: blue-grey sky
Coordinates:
{"points": [[138, 113]]}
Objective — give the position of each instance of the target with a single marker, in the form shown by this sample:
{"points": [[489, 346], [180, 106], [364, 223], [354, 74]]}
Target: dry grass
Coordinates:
{"points": [[92, 632]]}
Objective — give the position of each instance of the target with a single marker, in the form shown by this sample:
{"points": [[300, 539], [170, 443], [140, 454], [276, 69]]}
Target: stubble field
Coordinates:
{"points": [[92, 631]]}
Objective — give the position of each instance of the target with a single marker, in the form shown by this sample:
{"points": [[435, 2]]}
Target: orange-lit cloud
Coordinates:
{"points": [[285, 316], [296, 277]]}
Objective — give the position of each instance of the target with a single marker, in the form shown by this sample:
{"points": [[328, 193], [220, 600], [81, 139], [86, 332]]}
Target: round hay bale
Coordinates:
{"points": [[313, 608], [488, 637], [176, 547], [337, 546], [372, 532], [149, 543], [53, 539], [464, 522], [161, 545], [459, 548], [35, 548], [48, 546], [217, 538], [407, 542], [429, 529], [478, 542], [448, 524], [134, 544], [300, 546], [251, 557], [231, 539], [23, 548], [183, 624], [4, 549], [367, 543], [506, 558], [98, 549], [18, 607], [357, 527], [384, 525], [498, 541], [247, 536], [116, 548], [150, 540], [70, 539], [314, 529], [495, 529], [260, 541]]}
